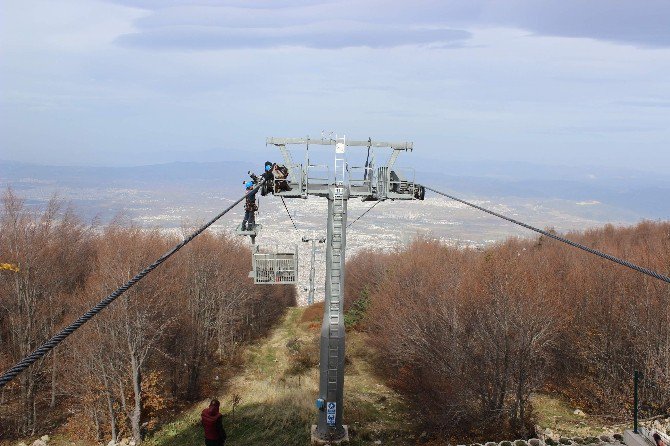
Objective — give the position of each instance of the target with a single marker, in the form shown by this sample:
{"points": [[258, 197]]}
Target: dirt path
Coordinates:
{"points": [[277, 392]]}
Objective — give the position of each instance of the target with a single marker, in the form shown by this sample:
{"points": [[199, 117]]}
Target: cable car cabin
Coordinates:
{"points": [[276, 268]]}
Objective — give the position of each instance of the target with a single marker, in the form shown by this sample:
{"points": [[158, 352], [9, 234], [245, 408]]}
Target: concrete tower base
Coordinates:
{"points": [[319, 442]]}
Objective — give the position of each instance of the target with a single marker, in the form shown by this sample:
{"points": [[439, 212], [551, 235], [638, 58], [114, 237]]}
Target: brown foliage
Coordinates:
{"points": [[302, 356], [468, 335], [158, 346], [313, 314]]}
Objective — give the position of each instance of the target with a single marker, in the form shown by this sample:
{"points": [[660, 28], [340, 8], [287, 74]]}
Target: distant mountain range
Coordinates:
{"points": [[149, 176], [626, 195]]}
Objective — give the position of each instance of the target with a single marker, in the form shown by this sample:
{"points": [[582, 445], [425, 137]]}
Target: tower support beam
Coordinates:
{"points": [[376, 184], [331, 383]]}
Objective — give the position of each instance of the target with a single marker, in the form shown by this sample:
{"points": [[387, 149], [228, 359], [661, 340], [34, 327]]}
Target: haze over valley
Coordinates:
{"points": [[177, 196]]}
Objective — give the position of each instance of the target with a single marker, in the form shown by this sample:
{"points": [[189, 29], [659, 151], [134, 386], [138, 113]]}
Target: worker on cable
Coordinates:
{"points": [[267, 176], [250, 207], [275, 176], [280, 175]]}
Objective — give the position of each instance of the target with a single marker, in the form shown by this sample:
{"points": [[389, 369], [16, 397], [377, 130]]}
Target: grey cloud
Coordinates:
{"points": [[264, 24], [233, 17], [324, 36], [252, 4], [645, 23], [633, 22], [642, 23]]}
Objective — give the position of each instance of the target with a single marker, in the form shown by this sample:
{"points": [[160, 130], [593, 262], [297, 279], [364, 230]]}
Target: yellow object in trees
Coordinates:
{"points": [[9, 267]]}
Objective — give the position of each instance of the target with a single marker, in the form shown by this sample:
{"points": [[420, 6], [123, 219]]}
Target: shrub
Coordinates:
{"points": [[302, 357], [355, 315]]}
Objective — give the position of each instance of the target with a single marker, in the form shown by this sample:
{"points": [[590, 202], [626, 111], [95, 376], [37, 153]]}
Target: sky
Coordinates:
{"points": [[128, 82]]}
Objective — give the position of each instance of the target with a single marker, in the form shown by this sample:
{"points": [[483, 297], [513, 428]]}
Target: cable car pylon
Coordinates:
{"points": [[370, 183]]}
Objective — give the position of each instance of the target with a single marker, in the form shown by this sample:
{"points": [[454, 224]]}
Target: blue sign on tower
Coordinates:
{"points": [[331, 410]]}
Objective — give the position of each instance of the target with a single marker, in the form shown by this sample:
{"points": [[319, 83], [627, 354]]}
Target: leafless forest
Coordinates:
{"points": [[465, 335], [468, 335], [150, 352]]}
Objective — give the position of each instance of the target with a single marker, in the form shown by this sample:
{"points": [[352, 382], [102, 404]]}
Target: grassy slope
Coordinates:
{"points": [[558, 415], [277, 408]]}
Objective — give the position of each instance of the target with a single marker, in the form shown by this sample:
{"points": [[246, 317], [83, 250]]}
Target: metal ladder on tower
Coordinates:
{"points": [[334, 309]]}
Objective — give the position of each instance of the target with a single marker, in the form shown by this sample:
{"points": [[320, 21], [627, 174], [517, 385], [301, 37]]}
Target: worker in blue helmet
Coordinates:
{"points": [[267, 176], [267, 171], [250, 207], [275, 178]]}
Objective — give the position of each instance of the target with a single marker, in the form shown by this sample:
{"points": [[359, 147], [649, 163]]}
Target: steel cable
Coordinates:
{"points": [[289, 214], [45, 348], [604, 255], [368, 210]]}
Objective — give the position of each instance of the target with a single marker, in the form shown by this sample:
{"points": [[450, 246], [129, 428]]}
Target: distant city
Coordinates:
{"points": [[178, 196]]}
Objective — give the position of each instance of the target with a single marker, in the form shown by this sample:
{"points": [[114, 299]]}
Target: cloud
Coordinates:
{"points": [[382, 23], [623, 21], [319, 35], [508, 94], [333, 25]]}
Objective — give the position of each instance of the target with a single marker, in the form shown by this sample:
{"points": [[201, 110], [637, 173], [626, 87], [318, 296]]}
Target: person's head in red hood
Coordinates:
{"points": [[212, 423], [214, 407]]}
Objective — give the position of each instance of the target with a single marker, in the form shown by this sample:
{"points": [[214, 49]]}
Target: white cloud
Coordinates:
{"points": [[72, 95], [67, 25], [624, 21]]}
